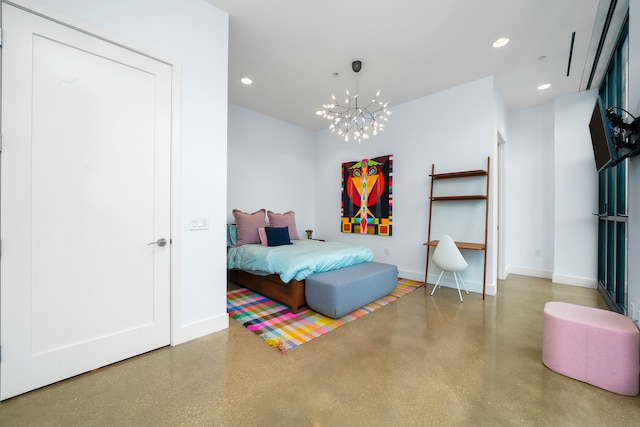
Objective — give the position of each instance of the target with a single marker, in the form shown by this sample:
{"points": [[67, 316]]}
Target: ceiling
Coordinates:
{"points": [[408, 48]]}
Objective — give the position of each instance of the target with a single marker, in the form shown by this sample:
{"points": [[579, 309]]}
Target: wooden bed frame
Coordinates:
{"points": [[291, 294]]}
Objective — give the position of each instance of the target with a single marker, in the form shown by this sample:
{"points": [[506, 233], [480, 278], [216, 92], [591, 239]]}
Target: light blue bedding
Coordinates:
{"points": [[299, 260]]}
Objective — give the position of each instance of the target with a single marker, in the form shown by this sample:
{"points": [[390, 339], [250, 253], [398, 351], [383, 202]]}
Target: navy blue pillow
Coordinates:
{"points": [[277, 236]]}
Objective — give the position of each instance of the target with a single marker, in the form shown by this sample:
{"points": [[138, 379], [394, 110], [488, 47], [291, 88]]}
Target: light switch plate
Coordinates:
{"points": [[198, 223]]}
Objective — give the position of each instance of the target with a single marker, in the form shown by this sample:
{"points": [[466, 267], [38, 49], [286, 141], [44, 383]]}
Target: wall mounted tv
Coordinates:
{"points": [[602, 138], [612, 138]]}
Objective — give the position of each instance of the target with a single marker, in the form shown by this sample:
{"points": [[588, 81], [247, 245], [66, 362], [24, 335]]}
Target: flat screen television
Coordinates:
{"points": [[601, 137]]}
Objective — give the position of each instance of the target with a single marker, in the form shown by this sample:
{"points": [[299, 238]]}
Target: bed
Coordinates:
{"points": [[279, 272], [271, 259]]}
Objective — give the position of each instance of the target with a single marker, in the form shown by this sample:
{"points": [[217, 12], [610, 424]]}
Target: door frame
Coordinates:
{"points": [[502, 194], [176, 91]]}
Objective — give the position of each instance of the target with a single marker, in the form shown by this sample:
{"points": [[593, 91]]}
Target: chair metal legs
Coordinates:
{"points": [[437, 281], [456, 276]]}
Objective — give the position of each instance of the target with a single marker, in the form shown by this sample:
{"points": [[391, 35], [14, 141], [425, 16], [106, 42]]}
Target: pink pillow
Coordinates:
{"points": [[247, 226], [287, 219], [263, 236]]}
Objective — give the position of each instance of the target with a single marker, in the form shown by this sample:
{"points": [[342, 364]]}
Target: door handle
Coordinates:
{"points": [[159, 242]]}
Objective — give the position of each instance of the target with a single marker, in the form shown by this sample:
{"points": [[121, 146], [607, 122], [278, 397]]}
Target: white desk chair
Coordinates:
{"points": [[447, 257]]}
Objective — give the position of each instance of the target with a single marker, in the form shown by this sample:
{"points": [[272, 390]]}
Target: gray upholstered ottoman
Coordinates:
{"points": [[339, 292]]}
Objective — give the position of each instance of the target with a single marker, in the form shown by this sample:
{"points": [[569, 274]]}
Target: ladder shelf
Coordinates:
{"points": [[476, 246]]}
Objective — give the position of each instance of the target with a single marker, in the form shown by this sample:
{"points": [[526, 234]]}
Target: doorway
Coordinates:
{"points": [[85, 202]]}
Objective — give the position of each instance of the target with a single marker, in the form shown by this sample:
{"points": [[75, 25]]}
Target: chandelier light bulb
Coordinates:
{"points": [[353, 120]]}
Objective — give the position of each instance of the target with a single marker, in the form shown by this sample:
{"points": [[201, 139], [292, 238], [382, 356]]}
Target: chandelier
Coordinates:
{"points": [[353, 121]]}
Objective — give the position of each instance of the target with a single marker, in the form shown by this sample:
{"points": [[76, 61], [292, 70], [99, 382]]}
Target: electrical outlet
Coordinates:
{"points": [[387, 251]]}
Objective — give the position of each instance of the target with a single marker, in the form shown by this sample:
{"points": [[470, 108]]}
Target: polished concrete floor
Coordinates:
{"points": [[419, 361]]}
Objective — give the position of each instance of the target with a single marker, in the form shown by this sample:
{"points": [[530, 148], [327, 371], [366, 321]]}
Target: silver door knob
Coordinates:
{"points": [[159, 242]]}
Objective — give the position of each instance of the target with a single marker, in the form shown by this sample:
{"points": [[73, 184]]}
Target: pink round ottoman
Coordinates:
{"points": [[596, 346]]}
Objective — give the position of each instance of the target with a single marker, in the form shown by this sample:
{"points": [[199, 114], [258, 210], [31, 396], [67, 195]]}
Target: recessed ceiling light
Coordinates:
{"points": [[544, 86], [502, 41], [246, 80]]}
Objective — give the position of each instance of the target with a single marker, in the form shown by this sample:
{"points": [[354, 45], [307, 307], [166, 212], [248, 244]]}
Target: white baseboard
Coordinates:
{"points": [[199, 329], [448, 281], [575, 281], [555, 278], [411, 275], [531, 272], [491, 289]]}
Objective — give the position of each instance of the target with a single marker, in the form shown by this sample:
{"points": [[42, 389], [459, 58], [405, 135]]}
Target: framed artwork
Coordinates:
{"points": [[367, 201]]}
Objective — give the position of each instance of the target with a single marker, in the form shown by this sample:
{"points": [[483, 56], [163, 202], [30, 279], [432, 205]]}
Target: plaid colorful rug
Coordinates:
{"points": [[280, 328]]}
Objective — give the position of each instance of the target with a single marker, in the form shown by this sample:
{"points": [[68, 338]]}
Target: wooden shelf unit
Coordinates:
{"points": [[460, 245], [474, 246]]}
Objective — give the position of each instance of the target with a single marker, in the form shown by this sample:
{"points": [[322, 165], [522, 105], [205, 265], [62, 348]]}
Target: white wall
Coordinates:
{"points": [[501, 114], [576, 192], [530, 191], [270, 165], [195, 35], [552, 192], [455, 130]]}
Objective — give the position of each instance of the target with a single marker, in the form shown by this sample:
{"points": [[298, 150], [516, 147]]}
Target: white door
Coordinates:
{"points": [[85, 179]]}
